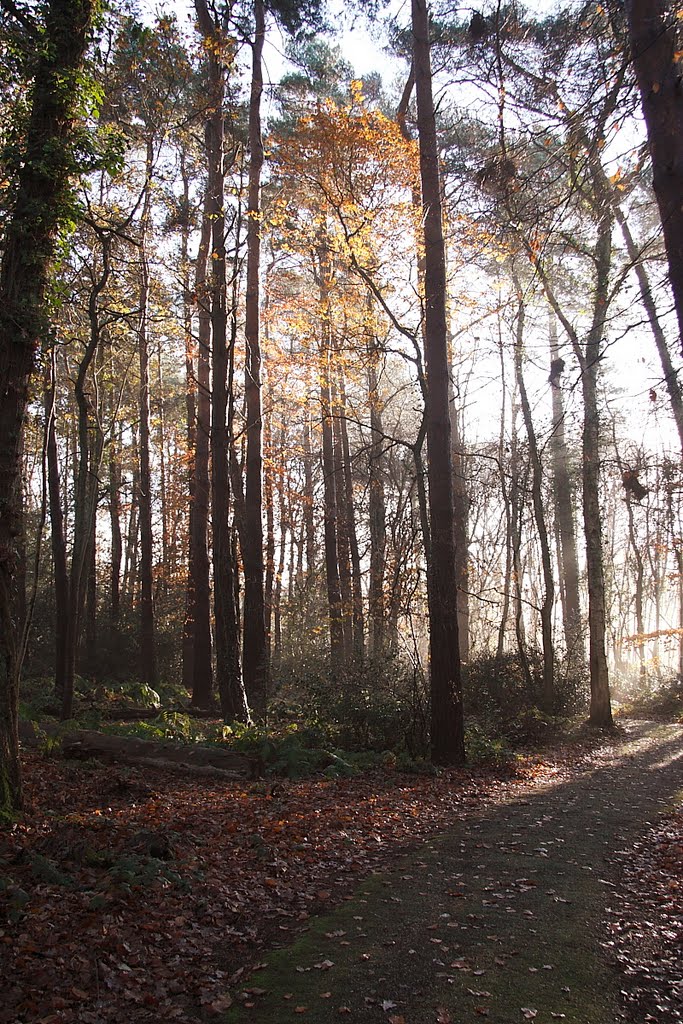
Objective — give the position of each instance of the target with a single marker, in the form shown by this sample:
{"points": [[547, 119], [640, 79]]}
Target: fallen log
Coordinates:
{"points": [[195, 759]]}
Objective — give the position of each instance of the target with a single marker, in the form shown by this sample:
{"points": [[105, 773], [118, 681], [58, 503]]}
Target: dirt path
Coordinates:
{"points": [[502, 919]]}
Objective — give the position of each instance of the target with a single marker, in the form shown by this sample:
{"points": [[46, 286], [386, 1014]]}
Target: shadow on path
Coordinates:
{"points": [[500, 919]]}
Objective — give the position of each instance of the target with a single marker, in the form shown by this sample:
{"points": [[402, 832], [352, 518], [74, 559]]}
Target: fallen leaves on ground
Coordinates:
{"points": [[646, 922], [128, 893]]}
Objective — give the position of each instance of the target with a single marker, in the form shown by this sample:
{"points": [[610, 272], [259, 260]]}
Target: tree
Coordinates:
{"points": [[254, 641], [447, 729], [654, 33], [41, 205], [228, 666]]}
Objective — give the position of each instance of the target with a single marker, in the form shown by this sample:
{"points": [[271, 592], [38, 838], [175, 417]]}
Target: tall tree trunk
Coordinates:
{"points": [[167, 552], [656, 47], [546, 610], [507, 503], [270, 525], [40, 205], [564, 512], [255, 644], [148, 670], [190, 409], [228, 667], [201, 676], [600, 707], [447, 742]]}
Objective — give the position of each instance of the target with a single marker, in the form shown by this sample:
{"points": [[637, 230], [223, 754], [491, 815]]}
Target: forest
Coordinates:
{"points": [[340, 498], [335, 401]]}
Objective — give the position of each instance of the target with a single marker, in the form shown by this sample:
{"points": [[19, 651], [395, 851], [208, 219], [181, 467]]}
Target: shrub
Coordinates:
{"points": [[376, 704]]}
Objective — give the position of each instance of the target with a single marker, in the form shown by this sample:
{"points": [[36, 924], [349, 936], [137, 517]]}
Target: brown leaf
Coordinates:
{"points": [[529, 1013]]}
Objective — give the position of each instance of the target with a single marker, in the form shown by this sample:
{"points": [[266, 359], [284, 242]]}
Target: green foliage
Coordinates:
{"points": [[484, 747], [371, 705], [498, 697], [136, 871]]}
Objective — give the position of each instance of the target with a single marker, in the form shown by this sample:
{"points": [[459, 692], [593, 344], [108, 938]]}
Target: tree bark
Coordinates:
{"points": [[40, 205], [228, 667], [447, 733], [148, 671], [655, 49], [201, 675], [254, 639]]}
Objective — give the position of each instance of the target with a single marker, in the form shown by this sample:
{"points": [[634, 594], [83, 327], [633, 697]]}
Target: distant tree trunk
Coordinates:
{"points": [[255, 644], [334, 596], [518, 487], [148, 670], [308, 498], [376, 506], [358, 618], [564, 512], [59, 556], [89, 652], [228, 668], [460, 520], [588, 357], [330, 517], [115, 527], [39, 206], [656, 47], [343, 525], [284, 516], [546, 610], [130, 565], [447, 743]]}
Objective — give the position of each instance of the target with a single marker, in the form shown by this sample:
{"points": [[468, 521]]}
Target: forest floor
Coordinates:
{"points": [[550, 891]]}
